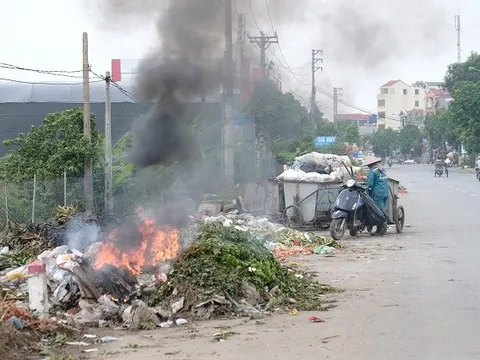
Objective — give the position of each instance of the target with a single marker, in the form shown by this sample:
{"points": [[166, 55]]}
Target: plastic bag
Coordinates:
{"points": [[375, 216]]}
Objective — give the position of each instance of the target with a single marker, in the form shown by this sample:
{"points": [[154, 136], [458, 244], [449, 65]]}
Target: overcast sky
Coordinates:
{"points": [[48, 35]]}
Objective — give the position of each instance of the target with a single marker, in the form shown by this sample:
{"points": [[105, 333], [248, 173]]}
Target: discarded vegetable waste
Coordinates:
{"points": [[228, 271]]}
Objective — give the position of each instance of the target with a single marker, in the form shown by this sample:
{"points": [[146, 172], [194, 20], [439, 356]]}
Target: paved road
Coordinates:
{"points": [[424, 300]]}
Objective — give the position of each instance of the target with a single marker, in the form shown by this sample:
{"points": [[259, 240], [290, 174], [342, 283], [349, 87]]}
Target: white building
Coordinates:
{"points": [[395, 99]]}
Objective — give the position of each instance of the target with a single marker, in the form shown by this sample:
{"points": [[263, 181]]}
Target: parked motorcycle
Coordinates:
{"points": [[350, 211]]}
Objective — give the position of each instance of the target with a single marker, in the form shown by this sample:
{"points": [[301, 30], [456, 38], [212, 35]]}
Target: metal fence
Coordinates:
{"points": [[35, 201]]}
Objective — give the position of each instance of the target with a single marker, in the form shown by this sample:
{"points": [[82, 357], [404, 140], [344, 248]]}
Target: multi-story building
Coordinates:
{"points": [[395, 99]]}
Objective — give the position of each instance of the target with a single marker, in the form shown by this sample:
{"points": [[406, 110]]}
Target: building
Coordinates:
{"points": [[395, 99], [357, 119], [24, 105], [435, 100]]}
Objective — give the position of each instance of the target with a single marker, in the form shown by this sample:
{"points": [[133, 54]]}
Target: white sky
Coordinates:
{"points": [[48, 35]]}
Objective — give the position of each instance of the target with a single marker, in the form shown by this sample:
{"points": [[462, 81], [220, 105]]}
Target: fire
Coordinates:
{"points": [[156, 245]]}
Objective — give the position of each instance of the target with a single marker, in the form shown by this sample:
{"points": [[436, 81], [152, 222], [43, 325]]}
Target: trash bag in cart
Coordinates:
{"points": [[375, 215]]}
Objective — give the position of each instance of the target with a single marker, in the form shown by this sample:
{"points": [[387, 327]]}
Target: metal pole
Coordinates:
{"points": [[229, 83], [108, 146], [87, 126], [34, 197], [6, 203], [64, 189]]}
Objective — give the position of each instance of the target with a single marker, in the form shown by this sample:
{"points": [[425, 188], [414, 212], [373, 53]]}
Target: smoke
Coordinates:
{"points": [[366, 34], [81, 235]]}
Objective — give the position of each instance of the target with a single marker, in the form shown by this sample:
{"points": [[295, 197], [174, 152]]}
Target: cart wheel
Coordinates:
{"points": [[324, 225], [400, 219], [292, 215]]}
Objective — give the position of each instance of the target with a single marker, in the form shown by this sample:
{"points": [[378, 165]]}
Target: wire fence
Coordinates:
{"points": [[36, 201]]}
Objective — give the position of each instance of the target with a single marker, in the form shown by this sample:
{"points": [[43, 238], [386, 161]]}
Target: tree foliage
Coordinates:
{"points": [[410, 138], [348, 132], [464, 112], [384, 142], [278, 116], [461, 73], [50, 149]]}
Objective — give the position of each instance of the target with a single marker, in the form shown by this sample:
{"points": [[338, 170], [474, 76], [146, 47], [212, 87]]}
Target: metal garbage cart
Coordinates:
{"points": [[308, 203], [395, 212]]}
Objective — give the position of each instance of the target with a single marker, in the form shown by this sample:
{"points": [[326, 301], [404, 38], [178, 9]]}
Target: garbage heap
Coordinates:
{"points": [[319, 167], [155, 276]]}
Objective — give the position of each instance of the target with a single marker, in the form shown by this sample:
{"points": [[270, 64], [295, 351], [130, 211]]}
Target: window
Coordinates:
{"points": [[417, 103], [392, 91], [381, 103], [417, 91], [404, 91], [384, 91], [381, 114]]}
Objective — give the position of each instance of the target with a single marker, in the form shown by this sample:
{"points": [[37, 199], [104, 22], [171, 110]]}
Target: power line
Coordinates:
{"points": [[269, 15], [253, 14], [45, 83], [64, 73]]}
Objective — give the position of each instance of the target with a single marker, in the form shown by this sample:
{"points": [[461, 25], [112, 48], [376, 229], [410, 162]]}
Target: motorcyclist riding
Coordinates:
{"points": [[377, 183]]}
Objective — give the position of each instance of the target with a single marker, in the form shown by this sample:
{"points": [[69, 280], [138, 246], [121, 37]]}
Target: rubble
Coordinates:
{"points": [[226, 265]]}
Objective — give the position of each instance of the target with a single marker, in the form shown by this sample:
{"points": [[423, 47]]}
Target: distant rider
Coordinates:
{"points": [[377, 182], [477, 163]]}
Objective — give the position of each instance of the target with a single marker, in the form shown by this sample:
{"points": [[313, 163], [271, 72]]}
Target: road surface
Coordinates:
{"points": [[409, 296]]}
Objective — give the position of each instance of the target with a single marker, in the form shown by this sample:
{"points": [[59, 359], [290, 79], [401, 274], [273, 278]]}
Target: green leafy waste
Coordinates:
{"points": [[222, 259]]}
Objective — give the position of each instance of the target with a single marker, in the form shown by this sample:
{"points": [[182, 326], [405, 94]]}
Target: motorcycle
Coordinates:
{"points": [[477, 170], [350, 211], [439, 169]]}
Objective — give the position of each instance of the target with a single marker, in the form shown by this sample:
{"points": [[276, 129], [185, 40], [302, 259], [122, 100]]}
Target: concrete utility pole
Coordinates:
{"points": [[87, 127], [458, 29], [241, 35], [337, 93], [263, 42], [316, 58], [229, 100], [108, 145]]}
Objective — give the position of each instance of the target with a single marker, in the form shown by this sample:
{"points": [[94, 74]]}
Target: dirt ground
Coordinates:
{"points": [[276, 336]]}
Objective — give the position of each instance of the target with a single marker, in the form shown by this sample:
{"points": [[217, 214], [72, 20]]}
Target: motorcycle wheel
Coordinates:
{"points": [[337, 228]]}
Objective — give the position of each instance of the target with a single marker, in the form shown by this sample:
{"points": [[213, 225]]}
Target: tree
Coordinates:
{"points": [[49, 150], [461, 73], [278, 116], [384, 142], [464, 112], [348, 132], [410, 138]]}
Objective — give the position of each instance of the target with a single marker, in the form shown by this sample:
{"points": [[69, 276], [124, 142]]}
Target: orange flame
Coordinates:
{"points": [[157, 245]]}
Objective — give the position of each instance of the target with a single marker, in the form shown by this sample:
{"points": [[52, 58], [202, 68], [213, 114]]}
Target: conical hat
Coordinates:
{"points": [[370, 160]]}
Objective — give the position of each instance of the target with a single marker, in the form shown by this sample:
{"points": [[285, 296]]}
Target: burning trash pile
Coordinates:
{"points": [[151, 275], [318, 167]]}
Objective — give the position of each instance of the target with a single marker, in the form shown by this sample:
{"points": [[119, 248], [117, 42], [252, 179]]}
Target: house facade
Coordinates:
{"points": [[395, 99]]}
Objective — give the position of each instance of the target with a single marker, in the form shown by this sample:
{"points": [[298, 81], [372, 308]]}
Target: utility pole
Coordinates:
{"points": [[108, 145], [316, 58], [263, 42], [87, 127], [241, 36], [458, 29], [337, 93], [229, 81]]}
